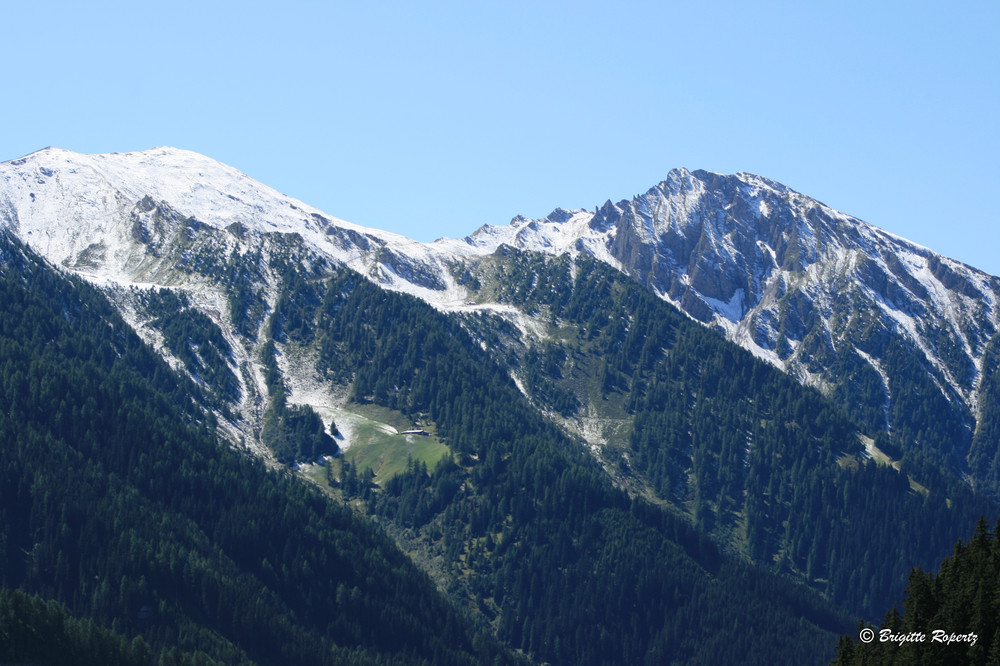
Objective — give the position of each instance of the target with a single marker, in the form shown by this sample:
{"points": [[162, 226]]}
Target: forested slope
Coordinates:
{"points": [[767, 466], [117, 500], [530, 528]]}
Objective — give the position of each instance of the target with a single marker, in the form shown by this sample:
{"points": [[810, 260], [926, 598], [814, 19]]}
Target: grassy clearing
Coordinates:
{"points": [[383, 415], [371, 440], [316, 474], [389, 457]]}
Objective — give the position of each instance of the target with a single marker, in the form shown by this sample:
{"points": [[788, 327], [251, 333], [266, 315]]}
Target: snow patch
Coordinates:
{"points": [[733, 310]]}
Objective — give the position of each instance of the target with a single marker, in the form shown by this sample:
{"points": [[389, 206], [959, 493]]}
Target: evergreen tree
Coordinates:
{"points": [[949, 618]]}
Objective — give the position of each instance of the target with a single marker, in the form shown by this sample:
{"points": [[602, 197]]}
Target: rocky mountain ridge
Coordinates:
{"points": [[869, 318], [841, 304]]}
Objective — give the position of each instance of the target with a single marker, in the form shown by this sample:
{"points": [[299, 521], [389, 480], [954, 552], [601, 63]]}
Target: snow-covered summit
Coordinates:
{"points": [[55, 188], [100, 213]]}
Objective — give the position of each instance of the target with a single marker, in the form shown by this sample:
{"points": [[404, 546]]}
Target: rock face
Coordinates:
{"points": [[899, 335]]}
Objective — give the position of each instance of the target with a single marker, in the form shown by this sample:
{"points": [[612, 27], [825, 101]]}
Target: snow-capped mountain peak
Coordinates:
{"points": [[41, 186], [111, 216], [796, 282]]}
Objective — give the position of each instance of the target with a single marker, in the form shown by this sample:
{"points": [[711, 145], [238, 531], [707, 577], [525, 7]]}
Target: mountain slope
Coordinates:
{"points": [[767, 467], [869, 318], [176, 219], [117, 499], [127, 217], [521, 520]]}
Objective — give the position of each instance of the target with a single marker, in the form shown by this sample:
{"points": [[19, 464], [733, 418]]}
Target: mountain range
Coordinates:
{"points": [[821, 295], [379, 368]]}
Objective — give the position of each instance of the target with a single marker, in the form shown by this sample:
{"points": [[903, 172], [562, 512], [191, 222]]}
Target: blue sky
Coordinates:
{"points": [[430, 119]]}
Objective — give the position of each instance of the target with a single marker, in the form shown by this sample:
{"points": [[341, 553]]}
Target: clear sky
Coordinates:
{"points": [[431, 119]]}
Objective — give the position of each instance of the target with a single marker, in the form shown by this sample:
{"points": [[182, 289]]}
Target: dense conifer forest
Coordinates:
{"points": [[33, 631], [567, 567], [952, 617], [750, 455], [130, 533]]}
